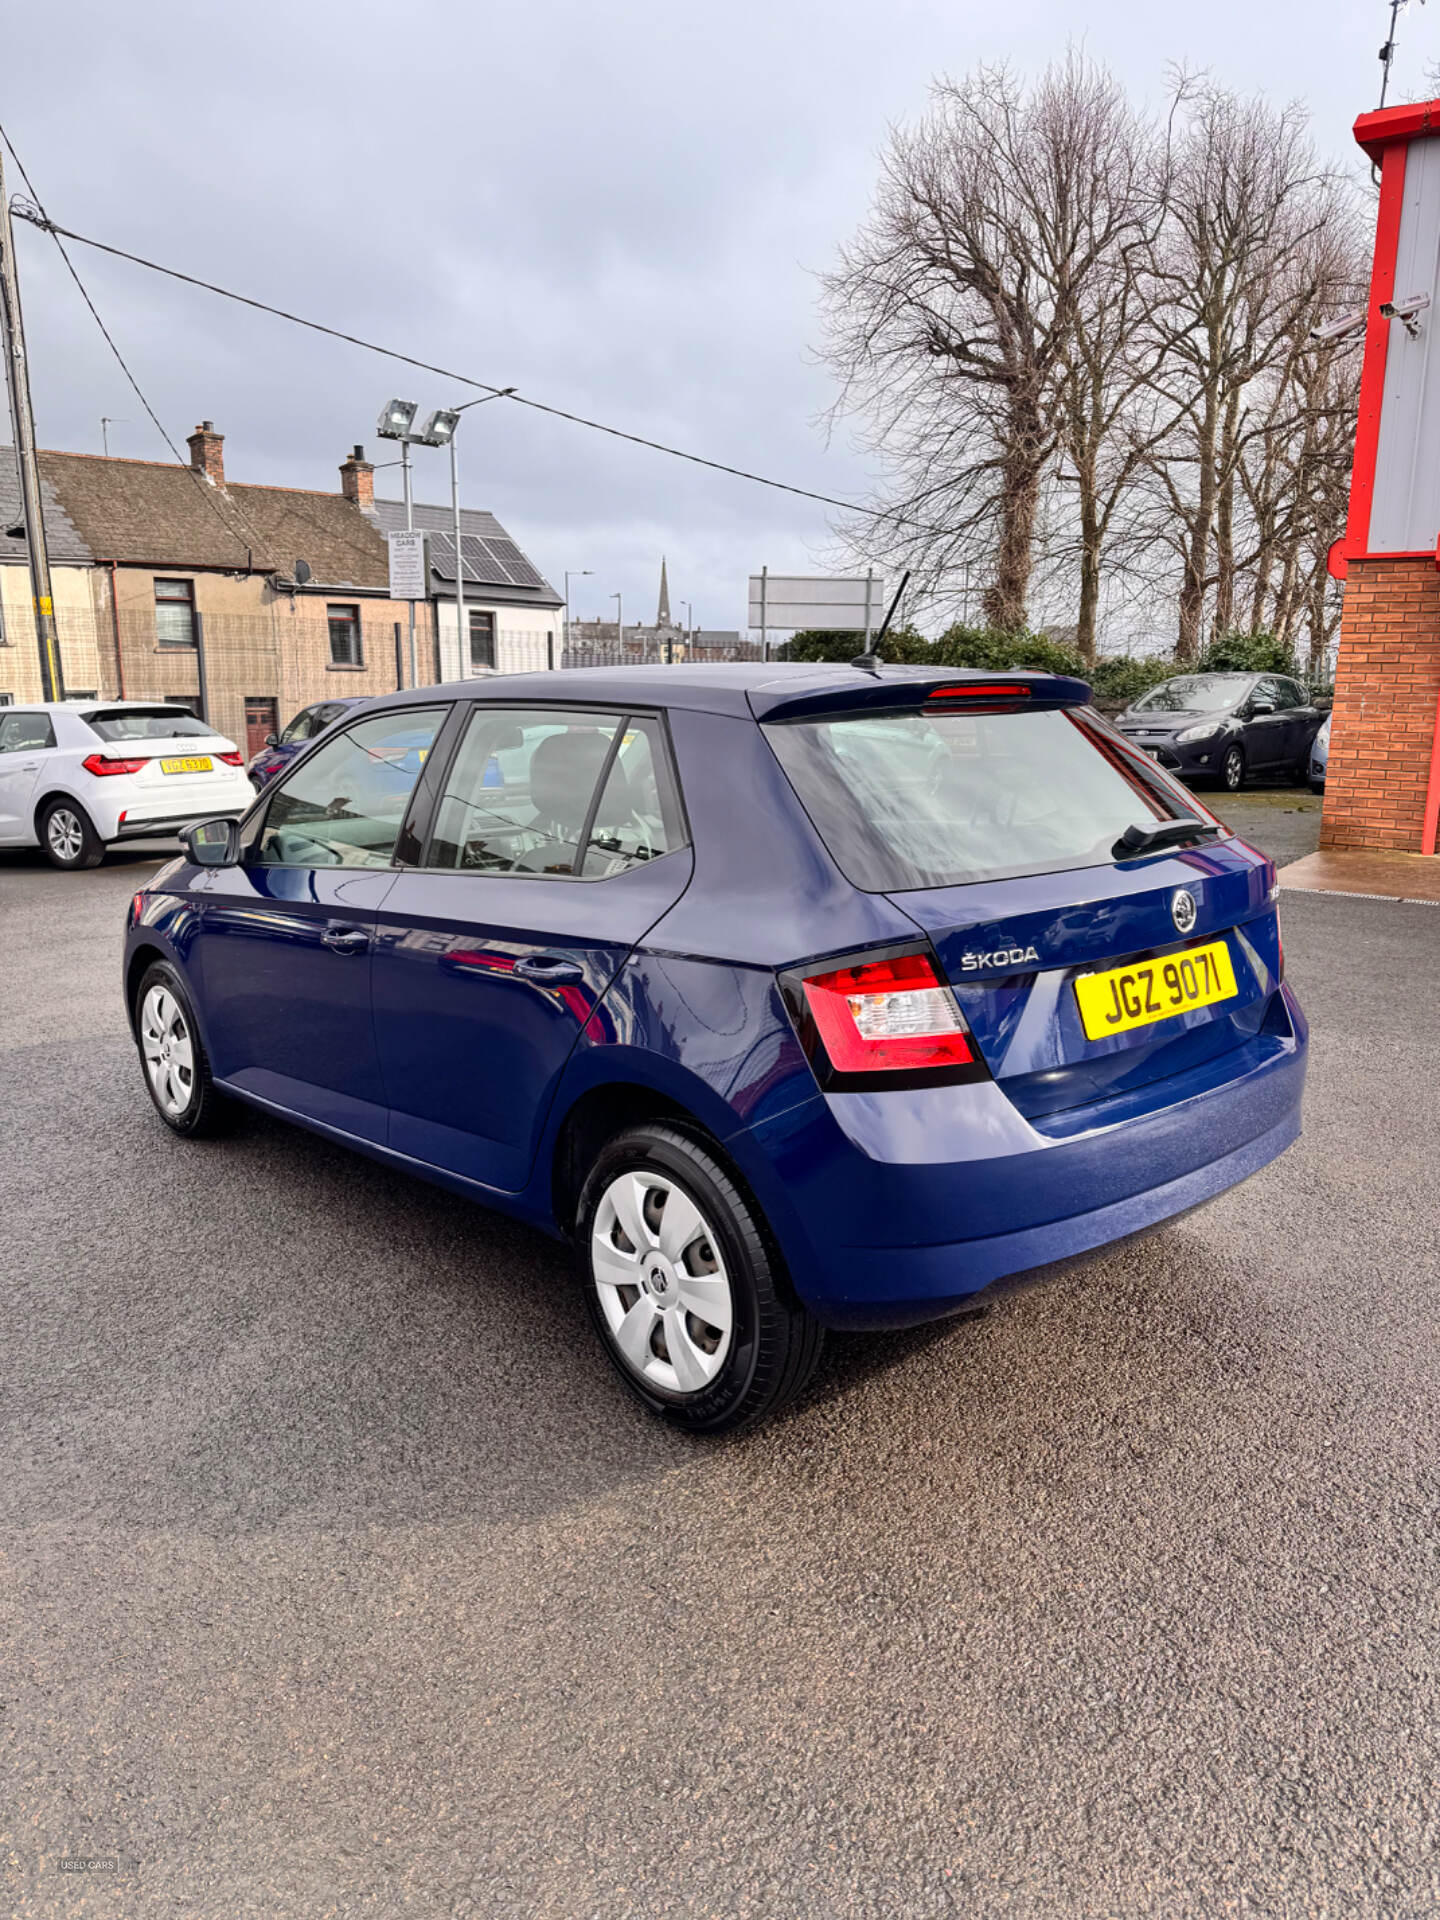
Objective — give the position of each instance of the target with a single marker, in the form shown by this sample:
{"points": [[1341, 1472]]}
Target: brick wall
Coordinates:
{"points": [[1386, 686]]}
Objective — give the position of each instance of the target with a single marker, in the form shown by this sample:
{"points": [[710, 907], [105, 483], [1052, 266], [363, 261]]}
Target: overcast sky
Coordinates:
{"points": [[619, 209]]}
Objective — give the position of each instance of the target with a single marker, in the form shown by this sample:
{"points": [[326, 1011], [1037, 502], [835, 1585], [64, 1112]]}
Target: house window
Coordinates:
{"points": [[175, 613], [482, 638], [344, 636]]}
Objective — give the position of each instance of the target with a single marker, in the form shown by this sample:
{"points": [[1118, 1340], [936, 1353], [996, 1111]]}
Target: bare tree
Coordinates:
{"points": [[1242, 269], [1079, 345], [952, 318]]}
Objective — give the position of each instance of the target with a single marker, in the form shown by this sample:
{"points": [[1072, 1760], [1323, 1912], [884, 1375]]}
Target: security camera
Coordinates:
{"points": [[1405, 311], [1335, 331]]}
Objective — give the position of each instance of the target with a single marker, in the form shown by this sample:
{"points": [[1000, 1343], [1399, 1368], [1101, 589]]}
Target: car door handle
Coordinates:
{"points": [[549, 969], [28, 766], [346, 939]]}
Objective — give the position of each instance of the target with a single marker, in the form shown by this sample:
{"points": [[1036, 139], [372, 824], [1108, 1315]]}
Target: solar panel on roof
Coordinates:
{"points": [[490, 563], [509, 555]]}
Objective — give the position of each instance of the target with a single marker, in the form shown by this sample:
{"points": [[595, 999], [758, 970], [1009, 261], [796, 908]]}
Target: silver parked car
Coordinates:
{"points": [[1320, 757]]}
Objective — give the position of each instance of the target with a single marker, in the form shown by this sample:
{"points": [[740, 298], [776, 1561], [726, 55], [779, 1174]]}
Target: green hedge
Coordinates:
{"points": [[1118, 677]]}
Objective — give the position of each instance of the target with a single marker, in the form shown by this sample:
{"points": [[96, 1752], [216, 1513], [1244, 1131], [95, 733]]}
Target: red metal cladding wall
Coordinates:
{"points": [[1387, 684]]}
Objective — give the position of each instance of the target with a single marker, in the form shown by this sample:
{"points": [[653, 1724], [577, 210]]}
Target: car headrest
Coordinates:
{"points": [[563, 772]]}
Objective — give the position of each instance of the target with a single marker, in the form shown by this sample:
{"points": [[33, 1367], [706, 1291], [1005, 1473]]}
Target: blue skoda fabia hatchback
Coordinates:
{"points": [[795, 997]]}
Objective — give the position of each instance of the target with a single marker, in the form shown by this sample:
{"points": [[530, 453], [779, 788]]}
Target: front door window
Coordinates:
{"points": [[343, 807]]}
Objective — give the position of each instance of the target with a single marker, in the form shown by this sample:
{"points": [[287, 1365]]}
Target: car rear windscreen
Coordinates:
{"points": [[145, 723], [936, 799]]}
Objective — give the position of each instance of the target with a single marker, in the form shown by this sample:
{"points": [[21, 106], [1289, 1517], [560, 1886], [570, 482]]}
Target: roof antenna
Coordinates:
{"points": [[869, 661]]}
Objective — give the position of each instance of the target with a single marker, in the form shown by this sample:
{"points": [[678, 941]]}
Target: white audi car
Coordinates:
{"points": [[77, 776]]}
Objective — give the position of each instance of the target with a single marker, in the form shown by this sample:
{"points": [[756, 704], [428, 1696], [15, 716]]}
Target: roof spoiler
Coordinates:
{"points": [[925, 689]]}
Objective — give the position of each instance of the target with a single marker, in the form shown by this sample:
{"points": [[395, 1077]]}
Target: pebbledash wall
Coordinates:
{"points": [[1386, 690], [1385, 733]]}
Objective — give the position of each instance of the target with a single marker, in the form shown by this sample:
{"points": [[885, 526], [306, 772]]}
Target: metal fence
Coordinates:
{"points": [[654, 653]]}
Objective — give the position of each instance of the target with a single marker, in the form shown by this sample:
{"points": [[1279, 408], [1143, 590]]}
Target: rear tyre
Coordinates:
{"points": [[686, 1287], [1232, 768], [173, 1058], [68, 837]]}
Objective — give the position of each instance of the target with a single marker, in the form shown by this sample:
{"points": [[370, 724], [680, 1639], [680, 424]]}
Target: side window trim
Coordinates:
{"points": [[413, 839], [582, 844]]}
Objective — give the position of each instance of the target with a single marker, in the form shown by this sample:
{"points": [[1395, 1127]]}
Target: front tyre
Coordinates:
{"points": [[68, 837], [173, 1057], [685, 1287], [1232, 768]]}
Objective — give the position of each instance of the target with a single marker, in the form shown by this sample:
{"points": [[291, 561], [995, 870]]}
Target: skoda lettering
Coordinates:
{"points": [[1002, 957]]}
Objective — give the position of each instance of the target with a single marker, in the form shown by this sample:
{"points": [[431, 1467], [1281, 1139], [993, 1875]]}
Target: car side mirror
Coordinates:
{"points": [[1260, 705], [213, 843], [271, 741]]}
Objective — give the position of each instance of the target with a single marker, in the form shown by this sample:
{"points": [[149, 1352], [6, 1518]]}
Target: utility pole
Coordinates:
{"points": [[22, 417]]}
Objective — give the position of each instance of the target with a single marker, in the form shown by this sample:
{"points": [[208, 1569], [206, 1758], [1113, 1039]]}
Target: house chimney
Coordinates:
{"points": [[207, 452], [357, 479]]}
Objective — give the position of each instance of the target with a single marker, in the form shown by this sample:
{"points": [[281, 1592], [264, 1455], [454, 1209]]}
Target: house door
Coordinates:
{"points": [[260, 718]]}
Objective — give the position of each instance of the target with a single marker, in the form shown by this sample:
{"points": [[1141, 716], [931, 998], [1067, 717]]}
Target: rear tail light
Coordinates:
{"points": [[232, 759], [886, 1018], [101, 764]]}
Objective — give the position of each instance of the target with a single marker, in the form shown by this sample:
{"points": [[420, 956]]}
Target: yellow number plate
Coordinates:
{"points": [[1151, 990], [201, 763]]}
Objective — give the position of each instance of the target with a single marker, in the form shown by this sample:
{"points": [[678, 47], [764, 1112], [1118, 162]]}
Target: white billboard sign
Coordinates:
{"points": [[790, 601], [409, 576]]}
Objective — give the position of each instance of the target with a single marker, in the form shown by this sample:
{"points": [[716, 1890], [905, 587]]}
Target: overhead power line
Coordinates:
{"points": [[37, 217], [247, 540]]}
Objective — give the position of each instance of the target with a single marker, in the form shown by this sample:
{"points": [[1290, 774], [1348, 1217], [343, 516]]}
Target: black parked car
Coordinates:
{"points": [[1226, 726]]}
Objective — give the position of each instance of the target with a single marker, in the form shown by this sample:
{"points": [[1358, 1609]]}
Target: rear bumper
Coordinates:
{"points": [[883, 1231]]}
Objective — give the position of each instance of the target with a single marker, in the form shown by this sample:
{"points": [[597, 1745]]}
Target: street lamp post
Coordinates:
{"points": [[619, 621], [580, 573], [439, 430]]}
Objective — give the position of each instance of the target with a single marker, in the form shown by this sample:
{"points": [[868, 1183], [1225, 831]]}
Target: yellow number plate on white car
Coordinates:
{"points": [[198, 763], [1150, 990]]}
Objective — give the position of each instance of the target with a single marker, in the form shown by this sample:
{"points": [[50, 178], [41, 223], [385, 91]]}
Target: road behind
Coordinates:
{"points": [[340, 1577]]}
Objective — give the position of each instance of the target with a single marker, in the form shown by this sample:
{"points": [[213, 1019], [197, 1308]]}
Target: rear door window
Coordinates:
{"points": [[26, 732], [518, 793], [556, 791], [344, 805], [937, 799]]}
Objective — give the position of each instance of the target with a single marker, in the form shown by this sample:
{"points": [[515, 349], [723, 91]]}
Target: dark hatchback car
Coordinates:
{"points": [[299, 732], [1226, 727], [794, 997]]}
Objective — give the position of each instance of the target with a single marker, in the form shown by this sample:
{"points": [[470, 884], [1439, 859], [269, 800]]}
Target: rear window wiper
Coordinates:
{"points": [[1165, 833]]}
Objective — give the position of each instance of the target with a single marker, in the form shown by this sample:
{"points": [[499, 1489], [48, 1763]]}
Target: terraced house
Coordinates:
{"points": [[246, 603]]}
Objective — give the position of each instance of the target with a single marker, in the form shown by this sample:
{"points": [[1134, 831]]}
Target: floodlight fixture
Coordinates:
{"points": [[439, 429], [396, 419]]}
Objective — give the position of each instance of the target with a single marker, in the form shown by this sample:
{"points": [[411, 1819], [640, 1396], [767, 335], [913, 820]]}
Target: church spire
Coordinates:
{"points": [[662, 612]]}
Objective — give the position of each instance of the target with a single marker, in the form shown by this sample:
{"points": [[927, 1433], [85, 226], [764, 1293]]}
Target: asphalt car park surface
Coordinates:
{"points": [[341, 1576]]}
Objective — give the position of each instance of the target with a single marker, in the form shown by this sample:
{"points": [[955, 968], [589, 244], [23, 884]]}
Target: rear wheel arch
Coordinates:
{"points": [[597, 1116], [49, 799]]}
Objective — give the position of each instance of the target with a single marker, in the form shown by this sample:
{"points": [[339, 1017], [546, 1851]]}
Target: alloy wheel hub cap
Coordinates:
{"points": [[658, 1280]]}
